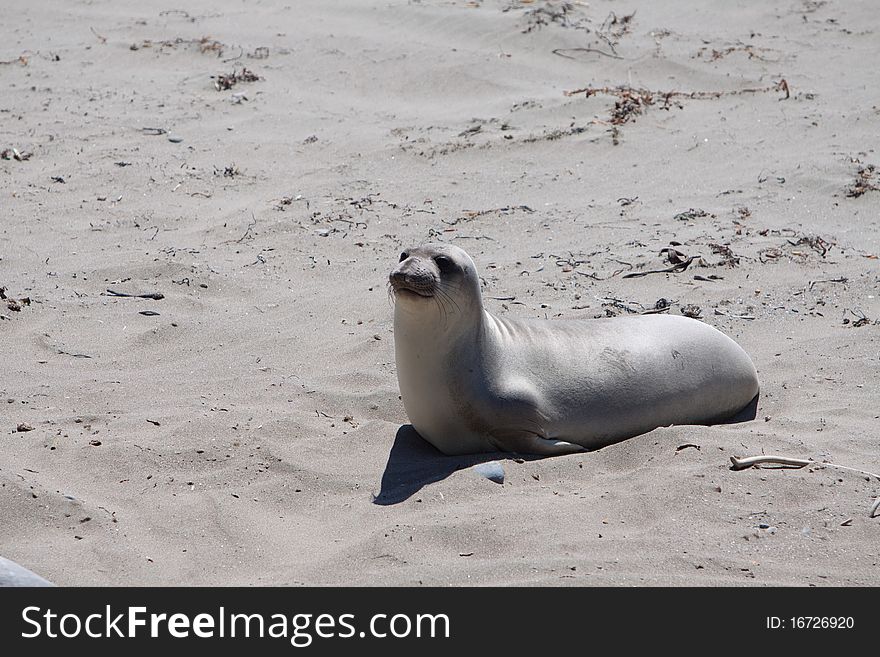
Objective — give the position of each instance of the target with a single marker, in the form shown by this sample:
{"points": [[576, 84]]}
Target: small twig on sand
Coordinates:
{"points": [[149, 295], [632, 102], [596, 276], [782, 85], [247, 233], [238, 56], [681, 266], [561, 52], [842, 279], [727, 314], [473, 214], [102, 39], [749, 461], [21, 59]]}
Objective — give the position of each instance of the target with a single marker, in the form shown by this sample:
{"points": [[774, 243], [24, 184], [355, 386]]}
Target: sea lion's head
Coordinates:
{"points": [[438, 278]]}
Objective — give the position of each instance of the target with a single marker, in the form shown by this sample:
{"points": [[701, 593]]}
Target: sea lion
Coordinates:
{"points": [[12, 574], [473, 382]]}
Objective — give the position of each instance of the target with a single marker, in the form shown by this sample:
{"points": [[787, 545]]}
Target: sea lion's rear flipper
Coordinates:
{"points": [[528, 442], [553, 447]]}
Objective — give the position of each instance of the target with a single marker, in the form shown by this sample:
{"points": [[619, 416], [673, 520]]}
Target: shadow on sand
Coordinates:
{"points": [[749, 413], [414, 463]]}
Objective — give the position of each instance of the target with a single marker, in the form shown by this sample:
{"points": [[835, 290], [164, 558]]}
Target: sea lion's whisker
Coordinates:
{"points": [[446, 300], [442, 310], [442, 300], [442, 290]]}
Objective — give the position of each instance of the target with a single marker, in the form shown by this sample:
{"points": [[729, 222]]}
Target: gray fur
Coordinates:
{"points": [[472, 382]]}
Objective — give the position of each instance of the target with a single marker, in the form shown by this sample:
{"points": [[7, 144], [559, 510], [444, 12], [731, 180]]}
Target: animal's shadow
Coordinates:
{"points": [[414, 463], [747, 414]]}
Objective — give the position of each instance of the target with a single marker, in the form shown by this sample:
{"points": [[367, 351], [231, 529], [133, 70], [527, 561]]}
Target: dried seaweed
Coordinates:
{"points": [[631, 102], [728, 257], [223, 82], [866, 181]]}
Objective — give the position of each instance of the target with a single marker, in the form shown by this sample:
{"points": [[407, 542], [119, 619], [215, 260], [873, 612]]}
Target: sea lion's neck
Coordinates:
{"points": [[439, 325]]}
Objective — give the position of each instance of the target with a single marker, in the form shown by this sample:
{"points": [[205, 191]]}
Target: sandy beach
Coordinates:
{"points": [[255, 169]]}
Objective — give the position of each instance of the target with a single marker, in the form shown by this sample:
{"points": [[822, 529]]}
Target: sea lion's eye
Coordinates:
{"points": [[404, 256], [444, 264]]}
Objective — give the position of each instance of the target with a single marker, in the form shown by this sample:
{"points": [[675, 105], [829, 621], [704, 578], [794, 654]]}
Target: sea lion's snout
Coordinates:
{"points": [[410, 276]]}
